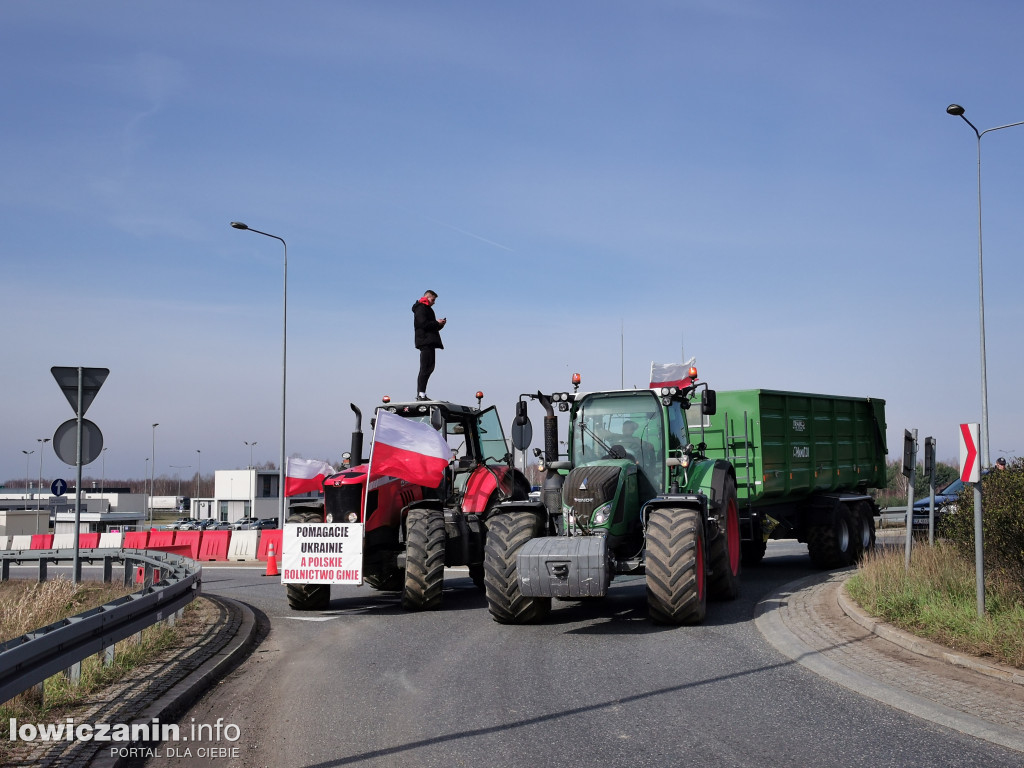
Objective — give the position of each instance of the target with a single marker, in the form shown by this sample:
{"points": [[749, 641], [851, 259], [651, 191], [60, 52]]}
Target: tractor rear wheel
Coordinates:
{"points": [[724, 551], [424, 560], [307, 597], [506, 534], [676, 589]]}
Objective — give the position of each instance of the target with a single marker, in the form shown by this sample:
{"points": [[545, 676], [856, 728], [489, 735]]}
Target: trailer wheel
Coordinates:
{"points": [[834, 546], [307, 597], [506, 534], [424, 560], [724, 551], [676, 592], [864, 520]]}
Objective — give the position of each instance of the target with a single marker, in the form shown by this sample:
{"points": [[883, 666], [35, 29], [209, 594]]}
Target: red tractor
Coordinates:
{"points": [[410, 533]]}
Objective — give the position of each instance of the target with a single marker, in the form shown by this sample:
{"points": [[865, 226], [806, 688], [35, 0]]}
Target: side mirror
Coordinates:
{"points": [[708, 402], [436, 419]]}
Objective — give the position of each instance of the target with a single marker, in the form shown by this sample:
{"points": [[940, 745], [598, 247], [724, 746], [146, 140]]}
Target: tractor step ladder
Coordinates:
{"points": [[738, 451]]}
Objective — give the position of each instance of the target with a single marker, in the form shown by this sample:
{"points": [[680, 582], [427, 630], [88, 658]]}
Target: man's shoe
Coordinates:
{"points": [[422, 397]]}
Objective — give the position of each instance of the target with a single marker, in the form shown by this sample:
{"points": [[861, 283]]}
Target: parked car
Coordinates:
{"points": [[241, 523], [261, 525], [945, 503]]}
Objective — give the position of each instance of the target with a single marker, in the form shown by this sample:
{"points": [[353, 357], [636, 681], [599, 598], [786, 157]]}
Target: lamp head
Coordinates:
{"points": [[239, 225], [953, 109]]}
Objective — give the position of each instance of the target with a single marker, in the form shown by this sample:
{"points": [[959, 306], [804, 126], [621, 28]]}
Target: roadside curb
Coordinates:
{"points": [[924, 647], [186, 692]]}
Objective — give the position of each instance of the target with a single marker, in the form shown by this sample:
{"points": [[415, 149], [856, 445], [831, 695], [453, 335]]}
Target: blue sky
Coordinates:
{"points": [[773, 187]]}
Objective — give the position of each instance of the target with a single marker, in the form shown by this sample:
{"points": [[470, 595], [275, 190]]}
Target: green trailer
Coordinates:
{"points": [[804, 464]]}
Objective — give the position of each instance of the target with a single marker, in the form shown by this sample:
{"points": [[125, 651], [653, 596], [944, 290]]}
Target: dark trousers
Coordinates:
{"points": [[427, 355]]}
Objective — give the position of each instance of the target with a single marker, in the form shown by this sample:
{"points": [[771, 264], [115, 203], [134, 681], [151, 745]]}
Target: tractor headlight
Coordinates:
{"points": [[329, 518], [352, 517], [602, 514]]}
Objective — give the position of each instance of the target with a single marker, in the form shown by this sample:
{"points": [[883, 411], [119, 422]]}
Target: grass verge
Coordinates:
{"points": [[936, 599], [25, 606]]}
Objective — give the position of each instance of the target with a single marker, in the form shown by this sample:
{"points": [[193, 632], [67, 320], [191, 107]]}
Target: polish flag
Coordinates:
{"points": [[409, 450], [672, 374], [305, 475]]}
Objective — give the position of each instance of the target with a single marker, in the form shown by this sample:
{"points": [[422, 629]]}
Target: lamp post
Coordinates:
{"points": [[957, 111], [199, 471], [284, 366], [152, 480], [254, 442], [42, 441], [103, 477], [28, 482]]}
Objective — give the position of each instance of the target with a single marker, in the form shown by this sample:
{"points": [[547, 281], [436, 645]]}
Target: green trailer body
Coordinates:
{"points": [[803, 461]]}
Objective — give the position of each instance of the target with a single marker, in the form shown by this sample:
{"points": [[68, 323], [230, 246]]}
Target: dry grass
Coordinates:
{"points": [[25, 606], [936, 599], [29, 605]]}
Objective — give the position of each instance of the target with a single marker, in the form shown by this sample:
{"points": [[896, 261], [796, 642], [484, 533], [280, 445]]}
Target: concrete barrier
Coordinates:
{"points": [[42, 541], [136, 539], [23, 541], [243, 545], [64, 541], [5, 542], [188, 539], [111, 540], [268, 537], [214, 545]]}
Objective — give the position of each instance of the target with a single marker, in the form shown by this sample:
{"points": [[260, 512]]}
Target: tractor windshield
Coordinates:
{"points": [[492, 437], [623, 425]]}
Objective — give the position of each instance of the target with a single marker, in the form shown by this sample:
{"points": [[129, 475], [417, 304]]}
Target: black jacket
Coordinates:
{"points": [[428, 330]]}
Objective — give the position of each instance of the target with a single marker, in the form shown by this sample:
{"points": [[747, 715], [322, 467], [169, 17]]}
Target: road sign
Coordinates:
{"points": [[909, 453], [970, 467], [65, 442], [67, 380], [59, 487]]}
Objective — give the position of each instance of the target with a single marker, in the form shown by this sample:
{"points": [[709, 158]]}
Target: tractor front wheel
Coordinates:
{"points": [[506, 535], [676, 589], [307, 597], [424, 560]]}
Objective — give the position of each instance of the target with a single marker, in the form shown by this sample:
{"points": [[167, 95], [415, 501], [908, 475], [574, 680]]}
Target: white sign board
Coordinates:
{"points": [[970, 467], [322, 553]]}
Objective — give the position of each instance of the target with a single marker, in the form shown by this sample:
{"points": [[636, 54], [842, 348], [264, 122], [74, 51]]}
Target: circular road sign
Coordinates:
{"points": [[65, 442]]}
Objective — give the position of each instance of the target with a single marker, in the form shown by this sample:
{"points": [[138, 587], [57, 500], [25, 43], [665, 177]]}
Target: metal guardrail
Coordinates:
{"points": [[28, 660]]}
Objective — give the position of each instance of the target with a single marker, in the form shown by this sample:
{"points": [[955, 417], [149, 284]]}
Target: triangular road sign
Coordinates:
{"points": [[67, 380]]}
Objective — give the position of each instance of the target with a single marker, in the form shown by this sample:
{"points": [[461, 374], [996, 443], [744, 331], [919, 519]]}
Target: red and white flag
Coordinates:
{"points": [[672, 374], [305, 475], [409, 450]]}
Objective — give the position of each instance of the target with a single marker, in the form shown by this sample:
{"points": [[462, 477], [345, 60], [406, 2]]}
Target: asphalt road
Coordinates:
{"points": [[366, 683]]}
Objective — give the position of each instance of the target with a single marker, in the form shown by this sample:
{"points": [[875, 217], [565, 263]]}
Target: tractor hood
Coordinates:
{"points": [[592, 495]]}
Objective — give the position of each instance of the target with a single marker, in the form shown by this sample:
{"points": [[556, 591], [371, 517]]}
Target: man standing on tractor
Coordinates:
{"points": [[428, 339]]}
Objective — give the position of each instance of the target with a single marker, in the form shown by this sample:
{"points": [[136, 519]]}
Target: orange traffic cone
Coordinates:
{"points": [[271, 562]]}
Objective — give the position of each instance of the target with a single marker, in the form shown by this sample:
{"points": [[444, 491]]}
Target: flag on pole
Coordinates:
{"points": [[305, 475], [672, 374], [409, 450]]}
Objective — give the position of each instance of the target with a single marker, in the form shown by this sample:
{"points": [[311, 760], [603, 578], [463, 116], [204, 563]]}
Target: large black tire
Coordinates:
{"points": [[424, 560], [506, 534], [864, 529], [724, 552], [676, 589], [307, 597], [834, 546]]}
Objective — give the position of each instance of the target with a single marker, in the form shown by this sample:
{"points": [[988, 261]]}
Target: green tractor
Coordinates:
{"points": [[636, 495]]}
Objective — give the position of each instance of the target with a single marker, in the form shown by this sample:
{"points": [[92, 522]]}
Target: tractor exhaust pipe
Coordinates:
{"points": [[357, 437]]}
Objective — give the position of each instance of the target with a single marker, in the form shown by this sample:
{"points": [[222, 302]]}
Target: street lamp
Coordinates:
{"points": [[199, 471], [152, 480], [42, 441], [254, 442], [103, 477], [284, 365], [957, 111], [27, 481]]}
